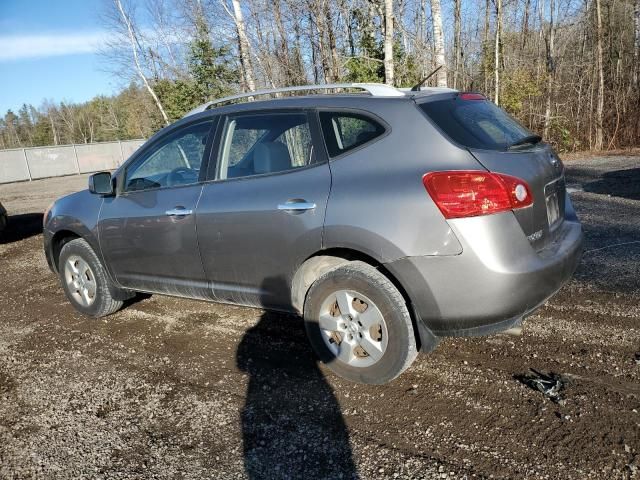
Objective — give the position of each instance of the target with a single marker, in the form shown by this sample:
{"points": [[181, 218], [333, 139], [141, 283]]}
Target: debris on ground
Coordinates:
{"points": [[413, 390], [549, 384]]}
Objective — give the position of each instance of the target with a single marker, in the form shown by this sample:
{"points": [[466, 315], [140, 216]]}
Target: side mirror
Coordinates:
{"points": [[101, 184]]}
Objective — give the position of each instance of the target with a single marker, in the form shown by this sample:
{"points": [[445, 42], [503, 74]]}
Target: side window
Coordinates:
{"points": [[174, 161], [344, 131], [243, 140], [260, 143], [298, 142]]}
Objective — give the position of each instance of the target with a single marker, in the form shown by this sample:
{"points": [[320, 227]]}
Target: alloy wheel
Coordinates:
{"points": [[81, 281]]}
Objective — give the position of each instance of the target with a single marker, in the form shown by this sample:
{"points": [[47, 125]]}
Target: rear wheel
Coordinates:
{"points": [[85, 280], [358, 323]]}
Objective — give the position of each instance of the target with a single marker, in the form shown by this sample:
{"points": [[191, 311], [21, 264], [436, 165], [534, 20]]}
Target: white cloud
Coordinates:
{"points": [[18, 47]]}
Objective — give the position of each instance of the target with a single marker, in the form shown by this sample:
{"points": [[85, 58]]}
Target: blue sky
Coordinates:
{"points": [[48, 50]]}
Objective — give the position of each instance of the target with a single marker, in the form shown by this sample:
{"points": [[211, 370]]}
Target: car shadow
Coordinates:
{"points": [[619, 183], [292, 425], [21, 227]]}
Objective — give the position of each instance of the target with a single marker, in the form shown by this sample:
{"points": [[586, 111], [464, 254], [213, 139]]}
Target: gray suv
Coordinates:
{"points": [[386, 220]]}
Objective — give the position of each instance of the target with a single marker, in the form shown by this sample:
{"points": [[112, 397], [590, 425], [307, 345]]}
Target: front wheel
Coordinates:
{"points": [[359, 325], [85, 280]]}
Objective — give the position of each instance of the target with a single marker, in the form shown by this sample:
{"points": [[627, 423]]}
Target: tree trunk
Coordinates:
{"points": [[525, 23], [636, 50], [388, 42], [600, 66], [335, 58], [314, 50], [243, 44], [549, 41], [457, 47], [134, 49], [485, 48], [323, 50], [438, 41], [496, 87], [54, 132], [300, 71], [282, 50]]}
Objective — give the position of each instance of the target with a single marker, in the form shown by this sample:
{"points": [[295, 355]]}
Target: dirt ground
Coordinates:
{"points": [[172, 388]]}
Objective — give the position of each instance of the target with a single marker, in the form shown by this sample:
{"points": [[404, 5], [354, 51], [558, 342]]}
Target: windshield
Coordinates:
{"points": [[475, 123]]}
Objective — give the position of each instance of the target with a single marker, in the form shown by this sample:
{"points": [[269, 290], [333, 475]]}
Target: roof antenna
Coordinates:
{"points": [[416, 87]]}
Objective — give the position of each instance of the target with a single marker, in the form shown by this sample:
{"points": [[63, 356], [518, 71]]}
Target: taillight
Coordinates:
{"points": [[471, 96], [464, 193]]}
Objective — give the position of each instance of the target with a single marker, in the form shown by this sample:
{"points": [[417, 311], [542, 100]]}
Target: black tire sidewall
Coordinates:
{"points": [[401, 347], [103, 302]]}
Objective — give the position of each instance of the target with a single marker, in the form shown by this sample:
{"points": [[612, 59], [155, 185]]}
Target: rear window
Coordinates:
{"points": [[475, 123], [344, 131]]}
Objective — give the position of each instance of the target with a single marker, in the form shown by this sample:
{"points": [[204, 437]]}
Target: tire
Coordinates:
{"points": [[78, 259], [358, 287]]}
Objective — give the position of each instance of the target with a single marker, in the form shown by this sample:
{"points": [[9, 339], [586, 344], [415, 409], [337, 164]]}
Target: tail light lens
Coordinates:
{"points": [[471, 96], [463, 193]]}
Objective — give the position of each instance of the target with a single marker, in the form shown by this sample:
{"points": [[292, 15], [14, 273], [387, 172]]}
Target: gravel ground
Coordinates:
{"points": [[172, 388]]}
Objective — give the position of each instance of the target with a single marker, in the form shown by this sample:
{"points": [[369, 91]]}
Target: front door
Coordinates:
{"points": [[263, 213], [148, 230]]}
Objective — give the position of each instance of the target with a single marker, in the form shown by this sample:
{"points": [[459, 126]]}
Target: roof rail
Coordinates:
{"points": [[429, 89], [374, 89]]}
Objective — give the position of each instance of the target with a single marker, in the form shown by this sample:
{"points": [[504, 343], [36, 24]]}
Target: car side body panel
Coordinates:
{"points": [[378, 203], [146, 249], [76, 213], [251, 249]]}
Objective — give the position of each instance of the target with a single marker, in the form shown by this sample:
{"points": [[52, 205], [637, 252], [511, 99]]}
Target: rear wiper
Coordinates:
{"points": [[528, 140]]}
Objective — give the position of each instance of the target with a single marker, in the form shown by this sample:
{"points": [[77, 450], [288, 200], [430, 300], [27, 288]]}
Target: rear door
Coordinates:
{"points": [[262, 213], [489, 133]]}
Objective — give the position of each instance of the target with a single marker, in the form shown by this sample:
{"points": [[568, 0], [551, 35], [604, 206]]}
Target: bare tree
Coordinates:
{"points": [[525, 23], [388, 42], [322, 43], [160, 17], [457, 46], [135, 45], [636, 49], [549, 44], [600, 67], [243, 44], [485, 47], [438, 42], [49, 109], [333, 47], [496, 63]]}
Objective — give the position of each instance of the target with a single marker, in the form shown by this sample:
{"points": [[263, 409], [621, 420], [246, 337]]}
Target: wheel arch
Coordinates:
{"points": [[324, 261], [58, 241]]}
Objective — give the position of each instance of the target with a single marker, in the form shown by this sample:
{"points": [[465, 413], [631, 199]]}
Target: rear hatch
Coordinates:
{"points": [[504, 146]]}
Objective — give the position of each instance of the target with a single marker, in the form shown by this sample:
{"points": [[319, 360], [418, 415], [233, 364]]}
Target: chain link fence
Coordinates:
{"points": [[20, 164]]}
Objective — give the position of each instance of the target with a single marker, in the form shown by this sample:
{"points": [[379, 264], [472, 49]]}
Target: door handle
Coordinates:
{"points": [[297, 206], [178, 212]]}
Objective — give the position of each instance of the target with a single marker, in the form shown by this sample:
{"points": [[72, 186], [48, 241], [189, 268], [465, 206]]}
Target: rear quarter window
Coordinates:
{"points": [[344, 131], [475, 123]]}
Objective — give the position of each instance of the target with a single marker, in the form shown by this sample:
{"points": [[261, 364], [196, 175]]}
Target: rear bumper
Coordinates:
{"points": [[496, 280]]}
